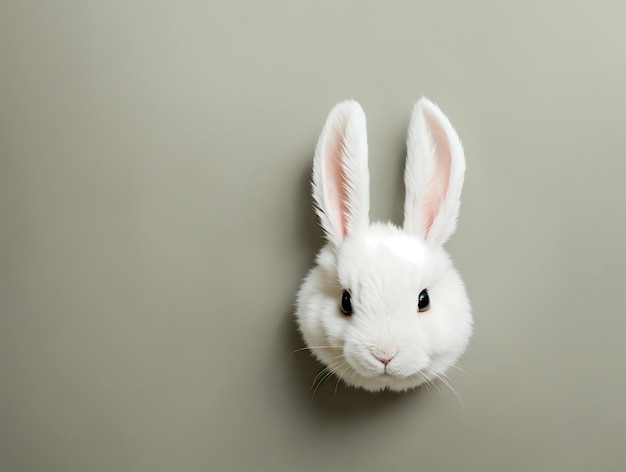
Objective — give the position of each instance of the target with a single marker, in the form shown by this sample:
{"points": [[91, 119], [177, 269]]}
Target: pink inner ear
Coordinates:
{"points": [[438, 186], [336, 178]]}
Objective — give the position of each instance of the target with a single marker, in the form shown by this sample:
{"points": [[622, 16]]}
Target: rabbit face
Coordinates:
{"points": [[386, 341]]}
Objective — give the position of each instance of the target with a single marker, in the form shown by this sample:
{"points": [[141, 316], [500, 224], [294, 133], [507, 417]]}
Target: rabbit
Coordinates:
{"points": [[384, 307]]}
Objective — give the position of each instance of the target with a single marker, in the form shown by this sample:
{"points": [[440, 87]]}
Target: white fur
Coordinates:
{"points": [[384, 267]]}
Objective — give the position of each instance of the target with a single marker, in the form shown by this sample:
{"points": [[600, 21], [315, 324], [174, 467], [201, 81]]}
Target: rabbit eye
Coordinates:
{"points": [[423, 302], [346, 303]]}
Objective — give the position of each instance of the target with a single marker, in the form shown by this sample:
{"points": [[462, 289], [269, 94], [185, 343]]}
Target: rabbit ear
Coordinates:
{"points": [[340, 174], [433, 176]]}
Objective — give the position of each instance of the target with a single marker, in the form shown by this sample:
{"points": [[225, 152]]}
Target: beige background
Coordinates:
{"points": [[155, 223]]}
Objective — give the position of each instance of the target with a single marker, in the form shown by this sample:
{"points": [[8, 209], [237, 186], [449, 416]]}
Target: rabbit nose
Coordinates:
{"points": [[385, 355], [385, 359]]}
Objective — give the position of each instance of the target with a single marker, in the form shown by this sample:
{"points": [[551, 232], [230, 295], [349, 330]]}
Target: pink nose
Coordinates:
{"points": [[385, 359]]}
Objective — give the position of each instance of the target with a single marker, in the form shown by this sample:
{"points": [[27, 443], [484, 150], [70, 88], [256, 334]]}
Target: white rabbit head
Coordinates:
{"points": [[384, 307]]}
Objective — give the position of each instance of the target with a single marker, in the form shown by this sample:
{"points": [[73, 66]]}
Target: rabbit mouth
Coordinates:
{"points": [[390, 381], [389, 374]]}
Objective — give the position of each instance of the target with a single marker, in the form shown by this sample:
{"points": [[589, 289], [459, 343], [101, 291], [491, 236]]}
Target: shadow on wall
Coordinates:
{"points": [[308, 231], [332, 399]]}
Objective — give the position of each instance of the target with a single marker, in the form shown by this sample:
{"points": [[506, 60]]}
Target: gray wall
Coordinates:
{"points": [[155, 223]]}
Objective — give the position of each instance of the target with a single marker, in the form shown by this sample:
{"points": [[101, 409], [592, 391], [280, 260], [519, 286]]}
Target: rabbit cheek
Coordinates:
{"points": [[409, 362], [362, 361]]}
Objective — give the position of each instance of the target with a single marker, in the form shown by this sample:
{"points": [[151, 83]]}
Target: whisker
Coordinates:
{"points": [[322, 380], [457, 367], [448, 383], [340, 377], [324, 374], [315, 347], [319, 375], [426, 383], [337, 384]]}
